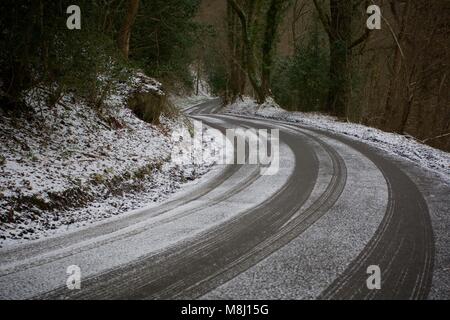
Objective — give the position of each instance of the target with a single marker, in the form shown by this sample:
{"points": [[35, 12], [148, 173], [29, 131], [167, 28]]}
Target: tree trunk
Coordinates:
{"points": [[236, 58], [339, 29], [398, 66], [272, 23], [250, 60], [340, 57], [197, 89], [259, 75], [340, 75], [123, 40]]}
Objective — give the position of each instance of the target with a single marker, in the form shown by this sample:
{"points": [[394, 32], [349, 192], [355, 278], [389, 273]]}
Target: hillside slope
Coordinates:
{"points": [[65, 166]]}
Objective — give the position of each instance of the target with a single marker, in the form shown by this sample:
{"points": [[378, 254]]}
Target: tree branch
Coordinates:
{"points": [[360, 40], [242, 16], [324, 19]]}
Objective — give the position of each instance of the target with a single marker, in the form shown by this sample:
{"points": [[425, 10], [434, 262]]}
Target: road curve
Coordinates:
{"points": [[335, 208]]}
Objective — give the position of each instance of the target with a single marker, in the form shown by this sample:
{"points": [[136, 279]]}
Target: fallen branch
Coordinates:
{"points": [[437, 137]]}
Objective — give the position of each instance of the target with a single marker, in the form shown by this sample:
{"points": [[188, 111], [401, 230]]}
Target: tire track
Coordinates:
{"points": [[111, 227], [290, 230], [403, 245], [233, 247]]}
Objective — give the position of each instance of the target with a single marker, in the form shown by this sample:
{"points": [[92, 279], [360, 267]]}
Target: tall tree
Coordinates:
{"points": [[259, 72], [273, 20], [124, 36], [338, 25], [164, 38], [237, 75], [250, 59], [399, 68]]}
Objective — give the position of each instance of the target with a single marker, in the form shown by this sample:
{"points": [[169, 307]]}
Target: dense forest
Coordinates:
{"points": [[309, 55], [224, 149], [325, 59]]}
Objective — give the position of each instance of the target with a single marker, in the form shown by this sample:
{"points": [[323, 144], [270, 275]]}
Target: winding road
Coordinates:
{"points": [[335, 207]]}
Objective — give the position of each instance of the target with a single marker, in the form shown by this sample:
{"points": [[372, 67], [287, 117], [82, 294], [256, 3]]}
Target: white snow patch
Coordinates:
{"points": [[396, 144], [71, 147], [204, 94]]}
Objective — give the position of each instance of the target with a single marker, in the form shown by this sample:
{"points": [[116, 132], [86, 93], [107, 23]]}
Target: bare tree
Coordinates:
{"points": [[259, 74], [298, 11], [338, 26], [123, 39], [273, 20], [237, 75]]}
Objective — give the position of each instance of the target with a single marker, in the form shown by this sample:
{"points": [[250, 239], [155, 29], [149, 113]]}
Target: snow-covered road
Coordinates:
{"points": [[336, 207]]}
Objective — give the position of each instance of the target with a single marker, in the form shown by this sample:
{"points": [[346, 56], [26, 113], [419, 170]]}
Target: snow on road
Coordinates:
{"points": [[396, 144], [24, 278], [70, 165], [306, 266], [410, 155]]}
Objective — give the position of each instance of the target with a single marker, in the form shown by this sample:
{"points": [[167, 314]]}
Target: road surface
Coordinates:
{"points": [[335, 207]]}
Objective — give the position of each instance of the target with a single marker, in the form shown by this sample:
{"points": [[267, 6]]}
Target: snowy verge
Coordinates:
{"points": [[399, 145], [202, 92], [66, 166], [185, 102], [190, 101]]}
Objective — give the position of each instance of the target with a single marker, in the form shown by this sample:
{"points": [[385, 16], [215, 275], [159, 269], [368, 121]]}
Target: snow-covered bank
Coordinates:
{"points": [[202, 95], [66, 166], [399, 145], [190, 101]]}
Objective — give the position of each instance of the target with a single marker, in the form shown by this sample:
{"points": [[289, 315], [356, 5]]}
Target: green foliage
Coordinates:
{"points": [[301, 82], [93, 70], [163, 37], [217, 78], [38, 49], [215, 66]]}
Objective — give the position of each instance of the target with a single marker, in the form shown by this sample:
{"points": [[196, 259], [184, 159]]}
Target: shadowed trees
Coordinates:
{"points": [[123, 39], [338, 26], [259, 25]]}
